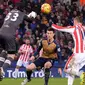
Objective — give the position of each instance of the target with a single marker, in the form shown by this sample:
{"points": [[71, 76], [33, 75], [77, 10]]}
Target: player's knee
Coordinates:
{"points": [[31, 66], [3, 56], [9, 60], [17, 67], [65, 70], [47, 65], [11, 56]]}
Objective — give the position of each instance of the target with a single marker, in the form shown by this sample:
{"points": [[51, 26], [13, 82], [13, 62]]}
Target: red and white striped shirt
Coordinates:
{"points": [[27, 51], [78, 35]]}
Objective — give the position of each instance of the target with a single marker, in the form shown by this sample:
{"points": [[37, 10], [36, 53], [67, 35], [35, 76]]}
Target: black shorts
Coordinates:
{"points": [[41, 61], [8, 43]]}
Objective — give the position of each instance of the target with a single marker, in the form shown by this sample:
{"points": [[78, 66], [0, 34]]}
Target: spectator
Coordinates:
{"points": [[33, 27]]}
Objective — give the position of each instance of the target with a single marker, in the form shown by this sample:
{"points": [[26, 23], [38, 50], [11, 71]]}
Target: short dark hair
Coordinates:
{"points": [[51, 29], [26, 38], [20, 6]]}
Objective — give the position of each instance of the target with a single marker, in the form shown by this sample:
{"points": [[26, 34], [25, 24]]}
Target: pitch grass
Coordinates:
{"points": [[38, 81]]}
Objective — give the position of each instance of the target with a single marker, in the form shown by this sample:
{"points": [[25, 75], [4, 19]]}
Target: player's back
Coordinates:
{"points": [[11, 22]]}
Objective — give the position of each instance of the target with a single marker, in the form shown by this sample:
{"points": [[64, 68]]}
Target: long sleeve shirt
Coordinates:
{"points": [[78, 35]]}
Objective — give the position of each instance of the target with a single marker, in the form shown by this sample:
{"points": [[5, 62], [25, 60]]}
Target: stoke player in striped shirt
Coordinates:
{"points": [[25, 51], [77, 60]]}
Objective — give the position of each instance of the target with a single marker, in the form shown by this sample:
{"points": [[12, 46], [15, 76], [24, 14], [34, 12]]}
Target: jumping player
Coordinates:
{"points": [[7, 35]]}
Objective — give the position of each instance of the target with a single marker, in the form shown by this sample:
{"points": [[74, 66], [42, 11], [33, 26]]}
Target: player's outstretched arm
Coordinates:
{"points": [[69, 29]]}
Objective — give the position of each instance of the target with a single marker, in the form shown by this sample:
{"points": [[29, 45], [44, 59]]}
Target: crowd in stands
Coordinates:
{"points": [[62, 14]]}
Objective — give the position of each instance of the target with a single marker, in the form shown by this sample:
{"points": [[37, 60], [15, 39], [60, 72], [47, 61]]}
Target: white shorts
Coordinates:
{"points": [[22, 63], [76, 61]]}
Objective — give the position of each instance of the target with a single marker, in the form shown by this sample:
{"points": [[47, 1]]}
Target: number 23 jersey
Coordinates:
{"points": [[11, 22]]}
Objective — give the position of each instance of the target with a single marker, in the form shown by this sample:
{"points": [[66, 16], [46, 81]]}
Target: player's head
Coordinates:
{"points": [[50, 33], [77, 20], [27, 40], [19, 6]]}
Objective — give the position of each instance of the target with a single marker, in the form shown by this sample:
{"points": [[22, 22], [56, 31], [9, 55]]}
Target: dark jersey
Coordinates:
{"points": [[47, 51], [11, 22]]}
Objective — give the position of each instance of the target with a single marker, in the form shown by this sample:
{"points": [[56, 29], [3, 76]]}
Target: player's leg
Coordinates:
{"points": [[72, 66], [74, 69], [28, 79], [3, 53], [28, 72], [10, 46], [69, 64], [28, 75], [37, 63], [16, 71], [3, 57], [47, 67], [68, 70], [29, 69], [70, 79], [18, 65], [7, 62]]}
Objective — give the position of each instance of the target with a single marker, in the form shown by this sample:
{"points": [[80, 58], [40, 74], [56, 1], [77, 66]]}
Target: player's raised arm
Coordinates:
{"points": [[69, 29], [36, 52], [38, 49]]}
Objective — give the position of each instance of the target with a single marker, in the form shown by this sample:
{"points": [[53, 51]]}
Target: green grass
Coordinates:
{"points": [[38, 81]]}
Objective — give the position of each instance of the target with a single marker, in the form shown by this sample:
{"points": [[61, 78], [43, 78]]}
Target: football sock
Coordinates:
{"points": [[29, 74], [70, 79], [47, 73]]}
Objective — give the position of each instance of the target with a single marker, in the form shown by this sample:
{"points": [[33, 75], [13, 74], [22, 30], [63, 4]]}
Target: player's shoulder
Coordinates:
{"points": [[31, 47], [57, 44], [15, 10], [44, 40]]}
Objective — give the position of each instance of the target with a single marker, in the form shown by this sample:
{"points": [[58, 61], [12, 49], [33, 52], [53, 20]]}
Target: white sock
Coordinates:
{"points": [[70, 79], [16, 72]]}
